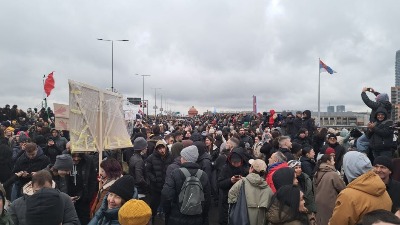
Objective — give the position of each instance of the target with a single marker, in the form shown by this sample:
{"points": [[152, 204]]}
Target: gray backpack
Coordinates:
{"points": [[191, 195]]}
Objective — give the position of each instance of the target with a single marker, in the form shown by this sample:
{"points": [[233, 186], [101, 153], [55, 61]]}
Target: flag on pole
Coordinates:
{"points": [[324, 68], [49, 84]]}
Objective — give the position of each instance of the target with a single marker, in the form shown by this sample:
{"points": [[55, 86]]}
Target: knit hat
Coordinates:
{"points": [[384, 161], [190, 153], [63, 162], [330, 150], [355, 164], [160, 142], [139, 144], [283, 176], [45, 207], [258, 165], [134, 212], [294, 163], [124, 187]]}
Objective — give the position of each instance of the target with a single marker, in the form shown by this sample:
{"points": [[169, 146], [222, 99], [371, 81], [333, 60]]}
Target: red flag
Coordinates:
{"points": [[49, 84]]}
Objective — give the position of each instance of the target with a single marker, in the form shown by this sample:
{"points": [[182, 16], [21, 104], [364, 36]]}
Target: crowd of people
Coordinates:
{"points": [[255, 169]]}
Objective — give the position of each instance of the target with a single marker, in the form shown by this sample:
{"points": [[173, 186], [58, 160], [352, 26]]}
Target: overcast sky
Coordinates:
{"points": [[204, 53]]}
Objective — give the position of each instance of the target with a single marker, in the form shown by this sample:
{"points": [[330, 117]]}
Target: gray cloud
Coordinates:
{"points": [[202, 53]]}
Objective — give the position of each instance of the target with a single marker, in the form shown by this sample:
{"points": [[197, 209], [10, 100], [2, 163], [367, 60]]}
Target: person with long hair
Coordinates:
{"points": [[110, 171], [327, 184], [287, 206]]}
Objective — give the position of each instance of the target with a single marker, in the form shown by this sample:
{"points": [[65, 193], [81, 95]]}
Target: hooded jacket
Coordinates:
{"points": [[364, 194], [271, 170], [258, 197], [327, 185], [381, 135], [225, 184], [156, 165], [382, 101], [308, 123], [171, 191]]}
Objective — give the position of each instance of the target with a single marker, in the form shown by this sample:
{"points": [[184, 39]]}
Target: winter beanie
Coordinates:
{"points": [[134, 212], [63, 162], [139, 144], [45, 207], [355, 164], [190, 153], [384, 161], [124, 187], [382, 97]]}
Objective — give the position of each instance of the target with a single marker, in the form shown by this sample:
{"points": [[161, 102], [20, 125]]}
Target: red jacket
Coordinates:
{"points": [[271, 171]]}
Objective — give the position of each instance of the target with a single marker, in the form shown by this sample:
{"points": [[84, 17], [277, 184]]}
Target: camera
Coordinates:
{"points": [[369, 89]]}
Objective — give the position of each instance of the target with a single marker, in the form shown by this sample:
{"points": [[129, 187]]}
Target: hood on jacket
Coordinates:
{"points": [[369, 183], [201, 147], [238, 151], [307, 113], [256, 180], [381, 110], [382, 97], [344, 132], [323, 168]]}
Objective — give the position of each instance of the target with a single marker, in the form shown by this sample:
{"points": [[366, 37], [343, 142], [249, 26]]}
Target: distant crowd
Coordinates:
{"points": [[255, 169]]}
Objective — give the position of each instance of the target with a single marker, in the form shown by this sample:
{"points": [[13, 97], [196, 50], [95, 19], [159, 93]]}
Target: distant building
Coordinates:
{"points": [[342, 118], [395, 99], [330, 108], [397, 69], [193, 112], [340, 108]]}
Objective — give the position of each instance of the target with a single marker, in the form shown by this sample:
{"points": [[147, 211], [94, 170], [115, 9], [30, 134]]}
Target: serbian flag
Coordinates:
{"points": [[324, 68], [49, 84]]}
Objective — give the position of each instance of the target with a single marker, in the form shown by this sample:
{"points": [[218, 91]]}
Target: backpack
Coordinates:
{"points": [[191, 194]]}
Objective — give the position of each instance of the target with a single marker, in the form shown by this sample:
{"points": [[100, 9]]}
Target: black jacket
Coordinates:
{"points": [[151, 144], [339, 153], [381, 136], [304, 142], [86, 180], [137, 170], [6, 163], [171, 190], [52, 152], [156, 166], [307, 166], [393, 188], [308, 123], [24, 163], [375, 105], [288, 154]]}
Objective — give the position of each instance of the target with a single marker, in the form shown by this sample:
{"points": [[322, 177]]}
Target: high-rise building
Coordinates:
{"points": [[331, 108], [340, 108], [397, 68]]}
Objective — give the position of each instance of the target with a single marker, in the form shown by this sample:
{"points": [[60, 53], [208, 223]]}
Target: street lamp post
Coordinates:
{"points": [[155, 101], [112, 59], [143, 75]]}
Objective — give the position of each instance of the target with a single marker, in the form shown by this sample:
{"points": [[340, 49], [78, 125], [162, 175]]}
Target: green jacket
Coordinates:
{"points": [[258, 197]]}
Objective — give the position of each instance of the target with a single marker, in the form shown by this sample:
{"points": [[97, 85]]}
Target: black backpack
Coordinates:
{"points": [[192, 194]]}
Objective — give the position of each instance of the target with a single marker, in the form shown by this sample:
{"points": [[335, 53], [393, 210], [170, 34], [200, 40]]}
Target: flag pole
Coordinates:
{"points": [[319, 91], [44, 103]]}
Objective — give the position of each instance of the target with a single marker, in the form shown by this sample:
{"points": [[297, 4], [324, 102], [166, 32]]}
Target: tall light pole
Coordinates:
{"points": [[155, 101], [112, 59], [143, 75]]}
